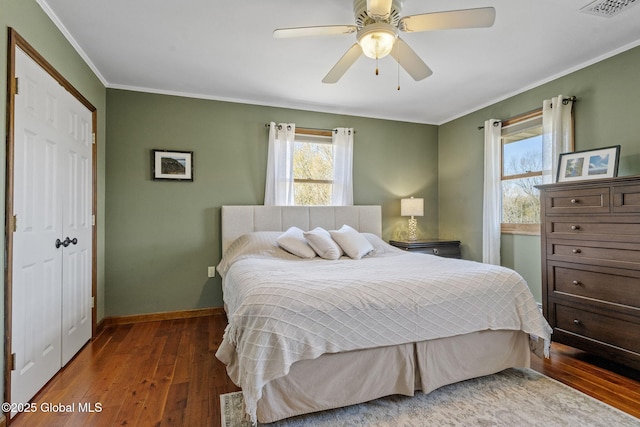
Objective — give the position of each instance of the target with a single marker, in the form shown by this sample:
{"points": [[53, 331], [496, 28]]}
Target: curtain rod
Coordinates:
{"points": [[565, 101], [304, 128]]}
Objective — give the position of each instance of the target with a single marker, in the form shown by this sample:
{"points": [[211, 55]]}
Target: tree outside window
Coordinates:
{"points": [[313, 168], [521, 172]]}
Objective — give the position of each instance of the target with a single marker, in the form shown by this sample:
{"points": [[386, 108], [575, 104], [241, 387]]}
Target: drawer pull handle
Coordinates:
{"points": [[577, 283], [577, 251], [575, 227], [436, 251], [576, 322], [574, 201]]}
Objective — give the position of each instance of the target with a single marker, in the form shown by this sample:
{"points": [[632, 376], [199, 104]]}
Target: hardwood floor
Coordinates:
{"points": [[161, 373], [165, 373], [617, 385]]}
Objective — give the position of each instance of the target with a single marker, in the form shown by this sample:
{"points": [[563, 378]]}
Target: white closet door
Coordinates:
{"points": [[37, 263], [77, 228], [51, 281]]}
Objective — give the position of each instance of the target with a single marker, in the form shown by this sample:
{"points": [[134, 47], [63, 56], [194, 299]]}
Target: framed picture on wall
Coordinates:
{"points": [[172, 165], [589, 164]]}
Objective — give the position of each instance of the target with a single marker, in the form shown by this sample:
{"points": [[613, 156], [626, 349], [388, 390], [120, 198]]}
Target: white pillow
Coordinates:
{"points": [[293, 241], [322, 243], [354, 244]]}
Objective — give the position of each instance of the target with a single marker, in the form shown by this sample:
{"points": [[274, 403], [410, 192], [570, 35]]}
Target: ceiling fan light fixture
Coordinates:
{"points": [[377, 40], [377, 25]]}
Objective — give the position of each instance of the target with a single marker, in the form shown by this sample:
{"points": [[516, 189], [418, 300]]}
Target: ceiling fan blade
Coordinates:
{"points": [[453, 19], [379, 8], [325, 30], [343, 64], [410, 61]]}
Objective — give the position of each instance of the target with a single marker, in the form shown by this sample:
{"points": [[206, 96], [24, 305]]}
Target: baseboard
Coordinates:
{"points": [[154, 317]]}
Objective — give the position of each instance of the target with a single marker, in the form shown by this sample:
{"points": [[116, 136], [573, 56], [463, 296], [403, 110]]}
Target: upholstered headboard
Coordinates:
{"points": [[238, 220]]}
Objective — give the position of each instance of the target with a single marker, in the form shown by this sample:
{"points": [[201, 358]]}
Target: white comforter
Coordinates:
{"points": [[283, 309]]}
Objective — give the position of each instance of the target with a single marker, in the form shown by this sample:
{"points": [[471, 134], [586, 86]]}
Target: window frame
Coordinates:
{"points": [[328, 134], [510, 228]]}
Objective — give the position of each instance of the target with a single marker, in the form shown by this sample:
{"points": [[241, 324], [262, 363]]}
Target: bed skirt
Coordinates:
{"points": [[343, 379]]}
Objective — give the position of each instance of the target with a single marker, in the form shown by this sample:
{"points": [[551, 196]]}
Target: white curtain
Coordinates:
{"points": [[279, 185], [342, 192], [557, 134], [492, 206]]}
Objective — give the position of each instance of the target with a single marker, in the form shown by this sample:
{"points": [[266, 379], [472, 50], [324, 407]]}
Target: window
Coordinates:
{"points": [[309, 166], [521, 172], [312, 167]]}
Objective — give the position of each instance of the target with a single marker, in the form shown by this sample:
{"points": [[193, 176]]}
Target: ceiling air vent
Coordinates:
{"points": [[608, 8]]}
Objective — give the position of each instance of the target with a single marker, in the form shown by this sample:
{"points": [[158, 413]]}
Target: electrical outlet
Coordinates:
{"points": [[211, 271]]}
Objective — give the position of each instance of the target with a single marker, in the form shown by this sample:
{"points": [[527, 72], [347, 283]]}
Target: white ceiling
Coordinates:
{"points": [[224, 50]]}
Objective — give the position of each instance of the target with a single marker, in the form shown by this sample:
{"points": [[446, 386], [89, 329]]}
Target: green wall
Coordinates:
{"points": [[606, 114], [28, 19], [163, 235]]}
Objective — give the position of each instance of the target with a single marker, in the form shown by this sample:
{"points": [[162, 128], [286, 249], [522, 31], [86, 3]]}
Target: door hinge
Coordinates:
{"points": [[93, 302], [12, 362], [93, 137], [14, 223], [15, 86], [93, 220]]}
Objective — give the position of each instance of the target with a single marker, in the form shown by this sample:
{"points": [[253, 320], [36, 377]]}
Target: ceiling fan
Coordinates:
{"points": [[377, 25]]}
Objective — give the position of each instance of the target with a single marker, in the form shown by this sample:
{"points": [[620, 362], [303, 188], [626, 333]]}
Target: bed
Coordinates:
{"points": [[307, 335]]}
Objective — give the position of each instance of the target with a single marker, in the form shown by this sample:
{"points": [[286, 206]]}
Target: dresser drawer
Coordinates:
{"points": [[443, 251], [599, 327], [621, 287], [577, 201], [620, 229], [626, 198], [608, 254]]}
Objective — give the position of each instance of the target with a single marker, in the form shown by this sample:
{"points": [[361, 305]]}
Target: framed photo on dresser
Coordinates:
{"points": [[589, 164]]}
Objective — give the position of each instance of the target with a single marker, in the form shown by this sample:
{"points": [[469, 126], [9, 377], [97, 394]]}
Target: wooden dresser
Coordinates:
{"points": [[590, 234]]}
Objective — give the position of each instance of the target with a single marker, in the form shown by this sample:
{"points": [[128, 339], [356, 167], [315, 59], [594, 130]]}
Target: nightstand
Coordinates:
{"points": [[443, 248]]}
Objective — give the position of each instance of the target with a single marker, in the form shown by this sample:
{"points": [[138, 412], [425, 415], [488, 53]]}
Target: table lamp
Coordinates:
{"points": [[412, 207]]}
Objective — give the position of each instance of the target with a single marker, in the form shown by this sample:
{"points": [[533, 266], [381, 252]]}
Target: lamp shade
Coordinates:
{"points": [[412, 207]]}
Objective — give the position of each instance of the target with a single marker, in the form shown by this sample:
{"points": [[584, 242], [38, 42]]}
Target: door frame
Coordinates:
{"points": [[17, 41]]}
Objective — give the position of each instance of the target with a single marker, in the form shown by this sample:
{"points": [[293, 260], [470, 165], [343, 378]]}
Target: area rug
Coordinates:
{"points": [[514, 397]]}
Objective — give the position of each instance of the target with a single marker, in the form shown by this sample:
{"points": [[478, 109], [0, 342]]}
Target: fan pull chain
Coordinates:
{"points": [[377, 72], [398, 55]]}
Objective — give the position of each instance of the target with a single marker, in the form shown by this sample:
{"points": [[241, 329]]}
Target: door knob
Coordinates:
{"points": [[66, 242]]}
